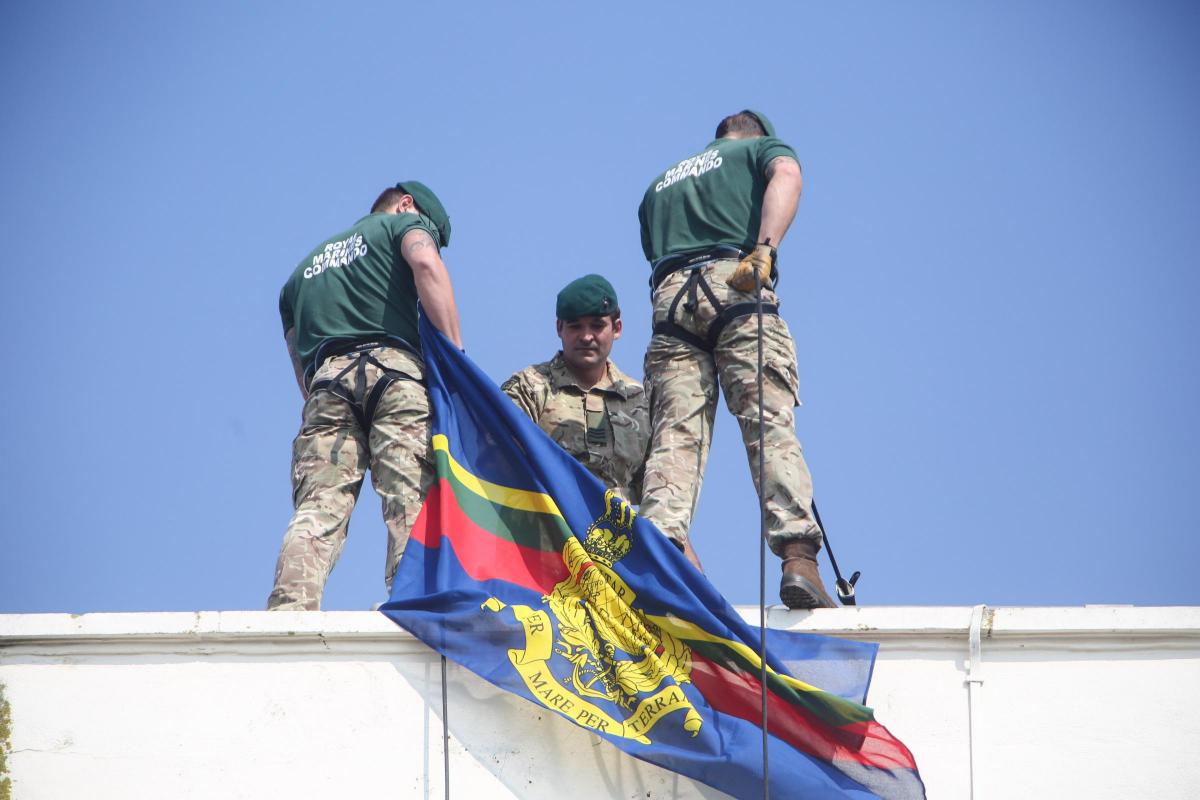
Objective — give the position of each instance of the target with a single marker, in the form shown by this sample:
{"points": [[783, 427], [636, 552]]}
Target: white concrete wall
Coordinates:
{"points": [[1098, 702]]}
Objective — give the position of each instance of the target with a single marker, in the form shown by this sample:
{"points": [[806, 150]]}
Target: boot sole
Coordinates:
{"points": [[800, 593]]}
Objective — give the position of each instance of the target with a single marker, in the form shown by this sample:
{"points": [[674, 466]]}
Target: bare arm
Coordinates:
{"points": [[433, 282], [290, 338], [782, 196]]}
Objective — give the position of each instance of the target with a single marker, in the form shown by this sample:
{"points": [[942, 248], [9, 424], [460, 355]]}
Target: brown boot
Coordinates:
{"points": [[800, 586]]}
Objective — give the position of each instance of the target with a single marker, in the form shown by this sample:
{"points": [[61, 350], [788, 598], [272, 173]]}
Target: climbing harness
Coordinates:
{"points": [[691, 289], [362, 403]]}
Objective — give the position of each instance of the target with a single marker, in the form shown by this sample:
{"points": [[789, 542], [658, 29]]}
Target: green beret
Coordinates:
{"points": [[589, 296], [430, 205], [762, 120]]}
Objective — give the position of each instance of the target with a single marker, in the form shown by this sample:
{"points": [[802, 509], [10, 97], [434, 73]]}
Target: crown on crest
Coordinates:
{"points": [[606, 547], [601, 543]]}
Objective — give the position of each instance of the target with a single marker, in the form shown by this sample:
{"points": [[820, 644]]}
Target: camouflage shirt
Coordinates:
{"points": [[607, 428]]}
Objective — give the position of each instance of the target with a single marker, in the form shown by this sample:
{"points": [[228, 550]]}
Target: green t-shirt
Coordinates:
{"points": [[354, 285], [712, 198]]}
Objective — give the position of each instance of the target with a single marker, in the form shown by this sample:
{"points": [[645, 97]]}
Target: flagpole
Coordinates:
{"points": [[445, 733], [762, 542]]}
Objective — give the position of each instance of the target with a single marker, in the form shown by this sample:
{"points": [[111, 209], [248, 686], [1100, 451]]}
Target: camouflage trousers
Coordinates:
{"points": [[330, 457], [683, 382]]}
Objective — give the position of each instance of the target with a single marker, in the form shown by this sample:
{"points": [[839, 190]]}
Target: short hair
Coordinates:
{"points": [[741, 122], [389, 197]]}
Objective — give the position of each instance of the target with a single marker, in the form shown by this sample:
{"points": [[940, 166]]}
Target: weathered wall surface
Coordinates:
{"points": [[1056, 703]]}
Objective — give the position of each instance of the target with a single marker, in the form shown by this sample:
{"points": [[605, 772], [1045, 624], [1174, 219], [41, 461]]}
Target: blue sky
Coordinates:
{"points": [[991, 279]]}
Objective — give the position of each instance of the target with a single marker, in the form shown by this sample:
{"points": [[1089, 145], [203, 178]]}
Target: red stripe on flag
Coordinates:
{"points": [[482, 554], [740, 695]]}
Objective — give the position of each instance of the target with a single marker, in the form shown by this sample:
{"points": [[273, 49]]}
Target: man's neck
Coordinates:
{"points": [[590, 377]]}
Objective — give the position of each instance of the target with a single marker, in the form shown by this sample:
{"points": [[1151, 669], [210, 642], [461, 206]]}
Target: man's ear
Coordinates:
{"points": [[558, 326], [616, 329]]}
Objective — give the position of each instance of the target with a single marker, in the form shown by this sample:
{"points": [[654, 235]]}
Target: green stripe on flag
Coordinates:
{"points": [[532, 529], [830, 708]]}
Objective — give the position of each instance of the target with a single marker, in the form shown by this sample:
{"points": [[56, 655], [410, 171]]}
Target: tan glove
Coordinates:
{"points": [[762, 260]]}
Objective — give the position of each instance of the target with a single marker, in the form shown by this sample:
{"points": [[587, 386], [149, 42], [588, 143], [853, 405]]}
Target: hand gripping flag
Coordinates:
{"points": [[522, 568]]}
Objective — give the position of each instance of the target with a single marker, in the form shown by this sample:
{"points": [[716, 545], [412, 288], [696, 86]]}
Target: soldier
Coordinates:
{"points": [[350, 321], [580, 398], [708, 224]]}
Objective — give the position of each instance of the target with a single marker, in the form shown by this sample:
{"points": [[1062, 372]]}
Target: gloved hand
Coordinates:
{"points": [[762, 260]]}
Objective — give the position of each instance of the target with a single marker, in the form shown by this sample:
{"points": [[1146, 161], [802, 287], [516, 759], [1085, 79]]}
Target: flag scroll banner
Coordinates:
{"points": [[522, 568]]}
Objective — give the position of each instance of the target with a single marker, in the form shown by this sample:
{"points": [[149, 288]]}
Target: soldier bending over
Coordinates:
{"points": [[350, 320]]}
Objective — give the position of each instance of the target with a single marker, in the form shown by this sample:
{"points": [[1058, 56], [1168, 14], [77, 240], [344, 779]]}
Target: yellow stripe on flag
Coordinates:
{"points": [[688, 630], [493, 492]]}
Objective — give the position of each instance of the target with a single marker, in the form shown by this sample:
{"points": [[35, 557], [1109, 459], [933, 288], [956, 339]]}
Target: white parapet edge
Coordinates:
{"points": [[326, 630]]}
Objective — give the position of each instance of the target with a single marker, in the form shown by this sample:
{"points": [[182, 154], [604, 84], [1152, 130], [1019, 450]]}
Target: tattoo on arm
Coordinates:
{"points": [[414, 241], [776, 162]]}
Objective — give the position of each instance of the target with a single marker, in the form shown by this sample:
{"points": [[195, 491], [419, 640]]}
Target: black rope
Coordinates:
{"points": [[762, 541], [445, 733], [845, 588]]}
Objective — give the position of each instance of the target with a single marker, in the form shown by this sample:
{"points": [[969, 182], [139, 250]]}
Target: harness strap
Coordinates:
{"points": [[675, 331], [670, 327], [725, 314], [334, 386], [708, 292], [693, 283], [388, 377], [362, 405], [688, 288], [736, 311]]}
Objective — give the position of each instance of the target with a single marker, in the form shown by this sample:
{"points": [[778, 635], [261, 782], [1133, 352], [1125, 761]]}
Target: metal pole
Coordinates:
{"points": [[445, 732], [762, 543]]}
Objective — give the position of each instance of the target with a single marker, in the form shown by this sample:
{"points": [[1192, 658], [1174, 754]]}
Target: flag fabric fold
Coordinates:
{"points": [[523, 568]]}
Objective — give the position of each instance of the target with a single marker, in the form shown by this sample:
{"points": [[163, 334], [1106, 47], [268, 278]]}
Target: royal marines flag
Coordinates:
{"points": [[523, 568]]}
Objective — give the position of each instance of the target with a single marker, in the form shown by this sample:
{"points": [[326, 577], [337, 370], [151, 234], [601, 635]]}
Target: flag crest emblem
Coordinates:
{"points": [[610, 659]]}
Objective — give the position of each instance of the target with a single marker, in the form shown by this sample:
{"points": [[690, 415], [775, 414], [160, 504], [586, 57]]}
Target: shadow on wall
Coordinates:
{"points": [[537, 754]]}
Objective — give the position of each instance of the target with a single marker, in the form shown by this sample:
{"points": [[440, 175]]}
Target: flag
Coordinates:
{"points": [[524, 569]]}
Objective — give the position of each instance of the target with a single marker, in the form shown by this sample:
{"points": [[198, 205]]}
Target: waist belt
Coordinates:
{"points": [[340, 347], [665, 266], [725, 314], [362, 404]]}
